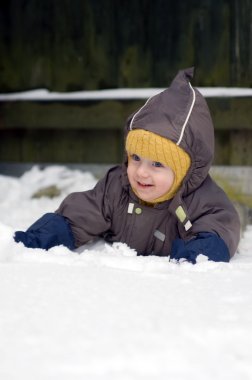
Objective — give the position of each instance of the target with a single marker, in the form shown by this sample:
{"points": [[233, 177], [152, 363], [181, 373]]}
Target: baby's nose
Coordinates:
{"points": [[143, 170]]}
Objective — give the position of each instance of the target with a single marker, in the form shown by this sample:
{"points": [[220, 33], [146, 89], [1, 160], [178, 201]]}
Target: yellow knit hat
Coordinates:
{"points": [[157, 148]]}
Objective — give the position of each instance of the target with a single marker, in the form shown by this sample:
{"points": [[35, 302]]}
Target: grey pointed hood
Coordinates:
{"points": [[180, 113], [113, 211]]}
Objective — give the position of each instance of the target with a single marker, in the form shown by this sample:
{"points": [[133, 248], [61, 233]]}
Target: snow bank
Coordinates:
{"points": [[104, 313]]}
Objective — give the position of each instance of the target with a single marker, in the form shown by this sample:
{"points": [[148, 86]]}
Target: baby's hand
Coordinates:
{"points": [[205, 243]]}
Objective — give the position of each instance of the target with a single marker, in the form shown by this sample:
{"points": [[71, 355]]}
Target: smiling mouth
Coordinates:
{"points": [[144, 185]]}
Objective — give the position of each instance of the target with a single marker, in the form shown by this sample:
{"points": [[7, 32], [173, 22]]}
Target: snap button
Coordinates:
{"points": [[138, 211]]}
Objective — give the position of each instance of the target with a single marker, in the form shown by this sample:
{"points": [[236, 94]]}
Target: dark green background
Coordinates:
{"points": [[67, 45]]}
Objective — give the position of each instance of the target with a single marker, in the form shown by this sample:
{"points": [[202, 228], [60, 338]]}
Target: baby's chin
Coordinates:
{"points": [[144, 197]]}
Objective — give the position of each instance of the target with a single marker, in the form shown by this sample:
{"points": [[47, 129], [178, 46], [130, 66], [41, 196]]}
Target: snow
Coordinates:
{"points": [[104, 313], [121, 93]]}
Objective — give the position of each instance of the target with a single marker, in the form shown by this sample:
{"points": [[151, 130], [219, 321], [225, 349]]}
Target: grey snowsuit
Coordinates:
{"points": [[112, 211]]}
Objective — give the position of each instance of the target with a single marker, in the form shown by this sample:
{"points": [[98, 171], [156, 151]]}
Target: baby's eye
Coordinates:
{"points": [[135, 157], [157, 164]]}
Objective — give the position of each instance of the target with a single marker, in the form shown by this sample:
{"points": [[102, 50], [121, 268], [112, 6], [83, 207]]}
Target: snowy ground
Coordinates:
{"points": [[107, 314]]}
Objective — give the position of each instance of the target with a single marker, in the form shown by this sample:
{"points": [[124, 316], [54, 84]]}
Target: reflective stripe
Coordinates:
{"points": [[130, 208], [188, 225], [159, 235], [187, 118], [180, 214]]}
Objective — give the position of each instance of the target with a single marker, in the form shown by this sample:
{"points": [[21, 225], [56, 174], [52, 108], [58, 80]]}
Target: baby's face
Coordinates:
{"points": [[149, 179]]}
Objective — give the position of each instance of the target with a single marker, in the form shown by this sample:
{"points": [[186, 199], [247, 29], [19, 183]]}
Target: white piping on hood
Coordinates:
{"points": [[186, 120], [133, 118], [188, 115]]}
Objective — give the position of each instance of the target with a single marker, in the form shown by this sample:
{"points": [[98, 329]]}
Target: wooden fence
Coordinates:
{"points": [[91, 131]]}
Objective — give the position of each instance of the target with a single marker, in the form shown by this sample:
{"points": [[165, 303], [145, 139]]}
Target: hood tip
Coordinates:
{"points": [[189, 72]]}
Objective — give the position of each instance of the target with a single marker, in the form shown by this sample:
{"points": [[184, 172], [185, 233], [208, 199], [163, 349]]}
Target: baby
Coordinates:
{"points": [[161, 200]]}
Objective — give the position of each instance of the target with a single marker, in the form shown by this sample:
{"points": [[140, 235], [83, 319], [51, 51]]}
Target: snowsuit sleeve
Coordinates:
{"points": [[80, 217], [214, 213], [89, 213]]}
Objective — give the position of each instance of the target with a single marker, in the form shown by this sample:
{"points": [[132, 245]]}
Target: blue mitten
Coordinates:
{"points": [[47, 232], [205, 243]]}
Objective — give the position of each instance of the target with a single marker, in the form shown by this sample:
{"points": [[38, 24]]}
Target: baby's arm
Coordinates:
{"points": [[48, 231], [205, 243], [215, 226], [81, 217]]}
